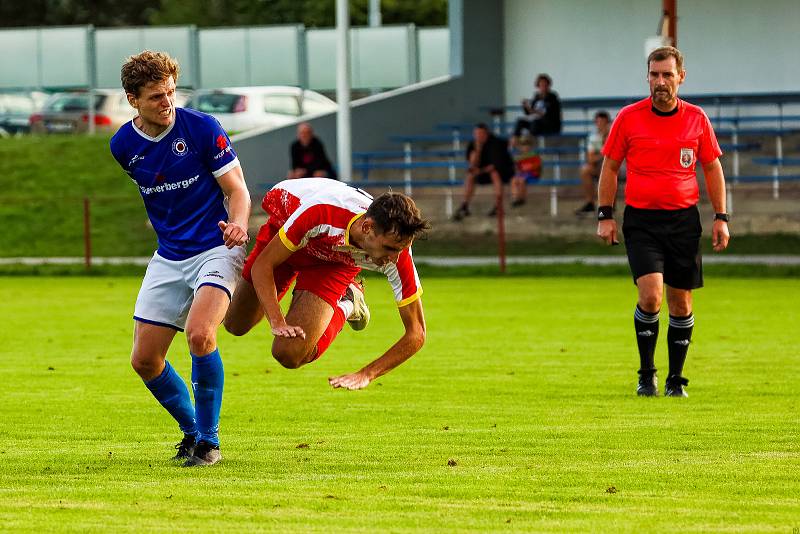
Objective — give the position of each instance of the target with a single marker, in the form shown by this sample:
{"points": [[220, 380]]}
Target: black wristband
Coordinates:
{"points": [[722, 217], [605, 212]]}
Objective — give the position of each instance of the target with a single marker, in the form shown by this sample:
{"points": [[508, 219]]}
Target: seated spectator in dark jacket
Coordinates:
{"points": [[543, 111], [308, 156], [489, 162]]}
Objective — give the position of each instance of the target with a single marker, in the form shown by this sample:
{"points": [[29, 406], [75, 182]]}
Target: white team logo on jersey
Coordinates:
{"points": [[179, 147], [687, 157]]}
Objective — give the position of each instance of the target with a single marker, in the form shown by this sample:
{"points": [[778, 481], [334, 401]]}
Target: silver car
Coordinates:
{"points": [[16, 109], [244, 108], [69, 113]]}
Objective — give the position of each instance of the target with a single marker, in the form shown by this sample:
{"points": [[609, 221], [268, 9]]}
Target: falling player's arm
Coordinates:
{"points": [[234, 230], [409, 344], [263, 273]]}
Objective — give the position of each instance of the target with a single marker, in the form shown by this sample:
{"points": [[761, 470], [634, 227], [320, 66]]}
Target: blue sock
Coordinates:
{"points": [[207, 381], [171, 391]]}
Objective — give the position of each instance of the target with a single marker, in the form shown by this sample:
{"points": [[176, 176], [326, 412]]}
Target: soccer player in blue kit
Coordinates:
{"points": [[197, 201]]}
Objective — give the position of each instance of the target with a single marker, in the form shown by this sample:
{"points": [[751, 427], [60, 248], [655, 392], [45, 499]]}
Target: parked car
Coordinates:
{"points": [[16, 108], [243, 108], [69, 112]]}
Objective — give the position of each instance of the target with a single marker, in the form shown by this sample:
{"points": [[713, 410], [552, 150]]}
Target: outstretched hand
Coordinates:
{"points": [[352, 381], [233, 233]]}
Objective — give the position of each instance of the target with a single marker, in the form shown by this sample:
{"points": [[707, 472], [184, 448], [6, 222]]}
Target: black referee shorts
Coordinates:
{"points": [[665, 241]]}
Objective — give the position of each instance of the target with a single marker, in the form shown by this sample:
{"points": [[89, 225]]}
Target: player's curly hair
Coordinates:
{"points": [[396, 213], [146, 67], [666, 52]]}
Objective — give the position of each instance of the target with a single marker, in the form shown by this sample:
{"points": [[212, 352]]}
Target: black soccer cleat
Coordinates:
{"points": [[648, 383], [185, 447], [204, 454], [674, 386]]}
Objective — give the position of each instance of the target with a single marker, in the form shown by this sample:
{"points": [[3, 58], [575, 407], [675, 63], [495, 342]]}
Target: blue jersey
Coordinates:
{"points": [[177, 177]]}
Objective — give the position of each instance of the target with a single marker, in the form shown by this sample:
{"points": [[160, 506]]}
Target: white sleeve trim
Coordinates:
{"points": [[219, 172]]}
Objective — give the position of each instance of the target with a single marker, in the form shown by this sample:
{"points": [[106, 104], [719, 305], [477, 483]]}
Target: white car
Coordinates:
{"points": [[243, 108]]}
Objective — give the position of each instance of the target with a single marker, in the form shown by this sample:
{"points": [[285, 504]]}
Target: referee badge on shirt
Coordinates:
{"points": [[179, 147], [687, 157]]}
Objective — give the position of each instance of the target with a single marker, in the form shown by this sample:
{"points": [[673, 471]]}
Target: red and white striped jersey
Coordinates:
{"points": [[315, 215]]}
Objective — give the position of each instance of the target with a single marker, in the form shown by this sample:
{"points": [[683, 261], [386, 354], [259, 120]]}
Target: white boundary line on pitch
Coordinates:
{"points": [[452, 261], [731, 259]]}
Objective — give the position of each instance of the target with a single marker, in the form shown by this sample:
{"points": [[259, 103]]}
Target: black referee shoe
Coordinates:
{"points": [[648, 383], [674, 386]]}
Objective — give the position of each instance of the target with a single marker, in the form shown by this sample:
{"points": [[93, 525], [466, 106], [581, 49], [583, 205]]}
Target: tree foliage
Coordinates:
{"points": [[211, 13]]}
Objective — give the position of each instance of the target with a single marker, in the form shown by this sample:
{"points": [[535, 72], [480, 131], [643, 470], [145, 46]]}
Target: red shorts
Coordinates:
{"points": [[326, 280]]}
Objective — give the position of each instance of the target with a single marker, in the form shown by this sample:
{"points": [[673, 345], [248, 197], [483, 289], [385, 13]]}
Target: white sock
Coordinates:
{"points": [[347, 307]]}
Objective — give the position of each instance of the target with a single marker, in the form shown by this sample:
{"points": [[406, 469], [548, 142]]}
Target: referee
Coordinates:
{"points": [[662, 138]]}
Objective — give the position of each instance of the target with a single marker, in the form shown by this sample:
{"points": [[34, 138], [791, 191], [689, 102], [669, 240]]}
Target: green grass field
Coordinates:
{"points": [[525, 386]]}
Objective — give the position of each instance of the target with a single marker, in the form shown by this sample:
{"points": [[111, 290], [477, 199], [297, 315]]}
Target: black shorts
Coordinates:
{"points": [[665, 241], [486, 178]]}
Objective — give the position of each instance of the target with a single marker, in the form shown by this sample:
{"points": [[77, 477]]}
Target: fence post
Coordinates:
{"points": [[554, 187], [501, 234], [407, 171], [87, 238], [776, 169], [451, 177]]}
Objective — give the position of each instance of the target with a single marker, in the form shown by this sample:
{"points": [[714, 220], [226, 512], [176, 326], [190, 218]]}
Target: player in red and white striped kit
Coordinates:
{"points": [[320, 234]]}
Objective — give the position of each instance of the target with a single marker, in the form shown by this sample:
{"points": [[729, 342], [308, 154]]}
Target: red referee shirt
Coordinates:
{"points": [[661, 153]]}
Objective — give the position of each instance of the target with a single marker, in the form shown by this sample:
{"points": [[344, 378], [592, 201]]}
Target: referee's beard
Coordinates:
{"points": [[663, 95]]}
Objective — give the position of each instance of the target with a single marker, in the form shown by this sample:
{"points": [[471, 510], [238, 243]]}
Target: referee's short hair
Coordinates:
{"points": [[666, 52]]}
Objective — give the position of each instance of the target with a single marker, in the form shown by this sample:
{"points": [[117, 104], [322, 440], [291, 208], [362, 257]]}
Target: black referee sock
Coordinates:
{"points": [[679, 336], [646, 325]]}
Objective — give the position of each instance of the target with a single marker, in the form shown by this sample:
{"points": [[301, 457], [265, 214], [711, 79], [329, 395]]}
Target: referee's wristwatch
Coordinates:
{"points": [[722, 217]]}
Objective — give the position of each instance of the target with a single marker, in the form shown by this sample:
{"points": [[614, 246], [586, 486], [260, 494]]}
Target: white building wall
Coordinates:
{"points": [[595, 48]]}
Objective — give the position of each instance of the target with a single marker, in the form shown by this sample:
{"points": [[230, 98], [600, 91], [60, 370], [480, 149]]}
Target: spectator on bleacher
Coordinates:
{"points": [[590, 171], [308, 156], [542, 112], [489, 162], [528, 168]]}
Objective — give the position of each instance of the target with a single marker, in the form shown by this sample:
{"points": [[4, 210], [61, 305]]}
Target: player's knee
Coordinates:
{"points": [[650, 302], [237, 328], [680, 309], [201, 341], [289, 355], [288, 359], [145, 368]]}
